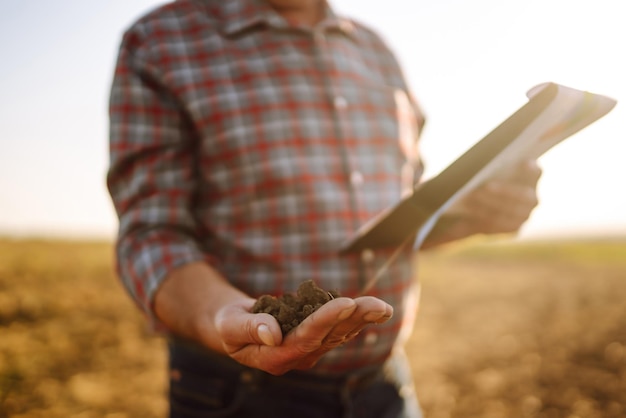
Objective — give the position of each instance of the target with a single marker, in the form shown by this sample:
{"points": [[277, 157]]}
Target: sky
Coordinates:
{"points": [[468, 63]]}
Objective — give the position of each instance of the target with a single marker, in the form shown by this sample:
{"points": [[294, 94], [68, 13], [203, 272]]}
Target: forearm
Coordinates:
{"points": [[499, 207]]}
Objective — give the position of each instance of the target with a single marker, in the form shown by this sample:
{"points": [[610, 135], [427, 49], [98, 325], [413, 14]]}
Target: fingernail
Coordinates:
{"points": [[265, 335], [373, 316], [345, 314]]}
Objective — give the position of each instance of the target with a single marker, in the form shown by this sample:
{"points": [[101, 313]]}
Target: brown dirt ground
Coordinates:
{"points": [[503, 331]]}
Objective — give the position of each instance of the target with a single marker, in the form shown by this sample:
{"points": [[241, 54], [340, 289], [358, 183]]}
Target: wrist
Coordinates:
{"points": [[190, 298]]}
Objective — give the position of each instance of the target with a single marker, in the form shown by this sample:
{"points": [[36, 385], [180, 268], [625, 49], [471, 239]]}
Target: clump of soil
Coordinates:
{"points": [[289, 309]]}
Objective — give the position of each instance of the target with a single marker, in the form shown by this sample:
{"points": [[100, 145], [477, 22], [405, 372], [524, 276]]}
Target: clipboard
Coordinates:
{"points": [[553, 113]]}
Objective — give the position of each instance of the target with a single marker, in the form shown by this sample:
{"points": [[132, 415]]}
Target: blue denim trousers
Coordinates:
{"points": [[204, 384]]}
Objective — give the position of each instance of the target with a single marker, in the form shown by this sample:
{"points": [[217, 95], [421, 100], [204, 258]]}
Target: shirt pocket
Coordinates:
{"points": [[383, 122]]}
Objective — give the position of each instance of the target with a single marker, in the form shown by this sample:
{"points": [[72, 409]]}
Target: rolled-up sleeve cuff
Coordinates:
{"points": [[143, 268]]}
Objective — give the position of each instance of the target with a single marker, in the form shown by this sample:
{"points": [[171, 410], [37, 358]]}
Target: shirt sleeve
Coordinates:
{"points": [[152, 175]]}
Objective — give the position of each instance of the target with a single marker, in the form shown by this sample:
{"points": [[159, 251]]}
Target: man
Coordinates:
{"points": [[249, 140]]}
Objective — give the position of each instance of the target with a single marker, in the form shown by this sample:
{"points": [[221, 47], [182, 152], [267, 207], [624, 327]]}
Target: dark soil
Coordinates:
{"points": [[289, 309]]}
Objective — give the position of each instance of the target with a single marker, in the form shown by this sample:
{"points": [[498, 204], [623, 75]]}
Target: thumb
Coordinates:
{"points": [[265, 335], [238, 329], [266, 329]]}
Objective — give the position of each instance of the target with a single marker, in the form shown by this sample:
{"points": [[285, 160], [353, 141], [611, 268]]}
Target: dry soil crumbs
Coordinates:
{"points": [[289, 309]]}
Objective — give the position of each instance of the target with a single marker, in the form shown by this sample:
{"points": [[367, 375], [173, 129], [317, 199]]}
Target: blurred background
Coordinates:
{"points": [[526, 327]]}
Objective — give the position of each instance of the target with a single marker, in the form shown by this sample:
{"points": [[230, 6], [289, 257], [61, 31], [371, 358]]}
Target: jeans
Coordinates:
{"points": [[204, 384]]}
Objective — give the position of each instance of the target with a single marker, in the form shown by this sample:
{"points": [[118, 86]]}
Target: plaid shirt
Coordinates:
{"points": [[260, 147]]}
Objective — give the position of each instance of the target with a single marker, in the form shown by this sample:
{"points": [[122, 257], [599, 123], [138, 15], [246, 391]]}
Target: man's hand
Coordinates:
{"points": [[256, 339], [502, 206], [197, 303], [499, 206]]}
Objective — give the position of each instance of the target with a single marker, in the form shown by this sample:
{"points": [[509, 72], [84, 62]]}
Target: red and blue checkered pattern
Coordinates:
{"points": [[260, 147]]}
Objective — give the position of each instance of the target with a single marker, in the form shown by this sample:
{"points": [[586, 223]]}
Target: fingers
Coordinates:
{"points": [[311, 333], [369, 310], [501, 207], [330, 334], [526, 173], [512, 198]]}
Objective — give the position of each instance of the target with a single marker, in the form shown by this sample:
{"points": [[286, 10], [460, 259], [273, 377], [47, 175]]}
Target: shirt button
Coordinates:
{"points": [[340, 103], [371, 338], [356, 178], [367, 256]]}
